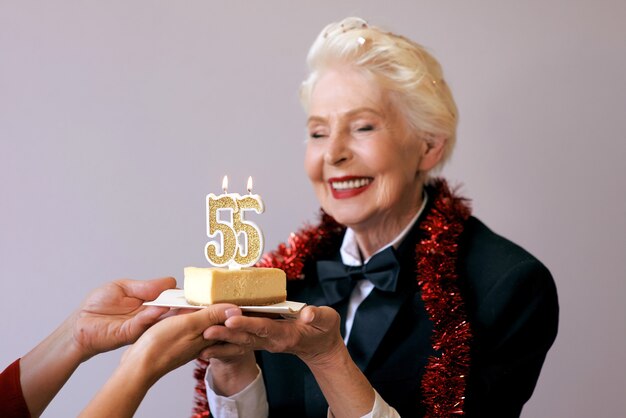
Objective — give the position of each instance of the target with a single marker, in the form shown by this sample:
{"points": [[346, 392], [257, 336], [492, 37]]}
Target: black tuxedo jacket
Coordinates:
{"points": [[512, 306]]}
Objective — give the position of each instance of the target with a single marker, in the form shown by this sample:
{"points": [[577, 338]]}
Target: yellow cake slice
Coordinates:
{"points": [[247, 286]]}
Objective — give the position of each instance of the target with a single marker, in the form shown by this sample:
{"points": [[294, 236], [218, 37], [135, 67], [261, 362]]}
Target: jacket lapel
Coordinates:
{"points": [[371, 322]]}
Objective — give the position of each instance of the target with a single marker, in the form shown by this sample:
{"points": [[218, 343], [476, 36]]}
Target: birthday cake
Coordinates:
{"points": [[245, 286]]}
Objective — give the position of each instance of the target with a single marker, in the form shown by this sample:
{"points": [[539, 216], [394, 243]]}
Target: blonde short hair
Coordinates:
{"points": [[411, 75]]}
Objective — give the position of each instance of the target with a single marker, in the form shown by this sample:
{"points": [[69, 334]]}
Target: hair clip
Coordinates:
{"points": [[346, 26]]}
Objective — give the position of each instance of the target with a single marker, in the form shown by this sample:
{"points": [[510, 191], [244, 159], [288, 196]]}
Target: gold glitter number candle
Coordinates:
{"points": [[234, 254], [254, 235]]}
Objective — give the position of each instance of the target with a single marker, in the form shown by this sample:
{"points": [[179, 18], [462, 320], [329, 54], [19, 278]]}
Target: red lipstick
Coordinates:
{"points": [[348, 186]]}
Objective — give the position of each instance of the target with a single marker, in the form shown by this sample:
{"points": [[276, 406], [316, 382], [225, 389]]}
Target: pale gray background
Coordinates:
{"points": [[118, 117]]}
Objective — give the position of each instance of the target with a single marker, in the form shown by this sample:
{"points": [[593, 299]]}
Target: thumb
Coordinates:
{"points": [[322, 317], [150, 315], [146, 289], [209, 316]]}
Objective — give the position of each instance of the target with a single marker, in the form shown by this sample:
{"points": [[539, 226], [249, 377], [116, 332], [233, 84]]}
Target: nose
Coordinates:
{"points": [[337, 149]]}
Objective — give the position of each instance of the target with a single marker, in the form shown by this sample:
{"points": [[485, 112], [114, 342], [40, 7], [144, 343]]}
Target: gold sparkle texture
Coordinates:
{"points": [[216, 227], [241, 240], [254, 236]]}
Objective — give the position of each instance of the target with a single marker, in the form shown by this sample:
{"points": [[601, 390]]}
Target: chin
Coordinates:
{"points": [[348, 216]]}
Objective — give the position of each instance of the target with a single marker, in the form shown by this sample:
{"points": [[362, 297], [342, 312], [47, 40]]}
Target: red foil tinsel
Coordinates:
{"points": [[201, 407], [444, 381]]}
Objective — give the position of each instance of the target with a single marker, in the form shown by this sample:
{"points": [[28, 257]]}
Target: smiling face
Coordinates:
{"points": [[363, 162]]}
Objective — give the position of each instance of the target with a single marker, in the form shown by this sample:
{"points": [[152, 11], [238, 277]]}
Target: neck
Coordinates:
{"points": [[372, 237]]}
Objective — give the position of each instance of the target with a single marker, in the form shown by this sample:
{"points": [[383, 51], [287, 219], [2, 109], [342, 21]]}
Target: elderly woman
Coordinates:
{"points": [[416, 308]]}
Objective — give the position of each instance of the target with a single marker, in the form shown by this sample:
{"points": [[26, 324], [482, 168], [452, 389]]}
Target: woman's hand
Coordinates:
{"points": [[232, 366], [314, 336], [113, 316]]}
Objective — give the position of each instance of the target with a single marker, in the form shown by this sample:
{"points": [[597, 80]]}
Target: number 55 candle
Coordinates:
{"points": [[241, 240]]}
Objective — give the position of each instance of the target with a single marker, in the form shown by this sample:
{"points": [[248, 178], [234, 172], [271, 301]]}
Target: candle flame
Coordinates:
{"points": [[250, 184], [225, 184]]}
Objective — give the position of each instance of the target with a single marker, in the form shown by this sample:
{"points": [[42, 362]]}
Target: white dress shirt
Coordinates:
{"points": [[251, 402]]}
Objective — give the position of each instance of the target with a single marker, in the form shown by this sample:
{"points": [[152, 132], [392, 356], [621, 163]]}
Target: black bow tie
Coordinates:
{"points": [[338, 280]]}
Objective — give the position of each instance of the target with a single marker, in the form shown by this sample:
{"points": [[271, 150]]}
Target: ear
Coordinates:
{"points": [[432, 148]]}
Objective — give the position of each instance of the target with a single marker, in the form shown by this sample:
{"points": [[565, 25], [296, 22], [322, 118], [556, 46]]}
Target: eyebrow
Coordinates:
{"points": [[349, 113]]}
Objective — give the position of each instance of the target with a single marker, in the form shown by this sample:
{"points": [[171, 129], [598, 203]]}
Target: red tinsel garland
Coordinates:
{"points": [[201, 403], [444, 380]]}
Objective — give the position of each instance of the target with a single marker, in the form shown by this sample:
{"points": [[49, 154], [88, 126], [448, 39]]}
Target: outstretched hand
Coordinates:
{"points": [[167, 345], [110, 317], [113, 316], [176, 340]]}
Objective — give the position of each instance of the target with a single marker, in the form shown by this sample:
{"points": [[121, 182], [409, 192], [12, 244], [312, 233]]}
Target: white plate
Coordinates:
{"points": [[175, 298]]}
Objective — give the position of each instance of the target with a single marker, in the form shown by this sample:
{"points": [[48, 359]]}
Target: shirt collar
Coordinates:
{"points": [[349, 250]]}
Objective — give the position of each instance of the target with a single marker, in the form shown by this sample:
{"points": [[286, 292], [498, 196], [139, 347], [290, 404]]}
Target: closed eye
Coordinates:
{"points": [[366, 128]]}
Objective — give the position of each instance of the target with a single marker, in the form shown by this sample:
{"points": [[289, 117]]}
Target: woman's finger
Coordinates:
{"points": [[223, 334], [261, 327], [223, 351]]}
